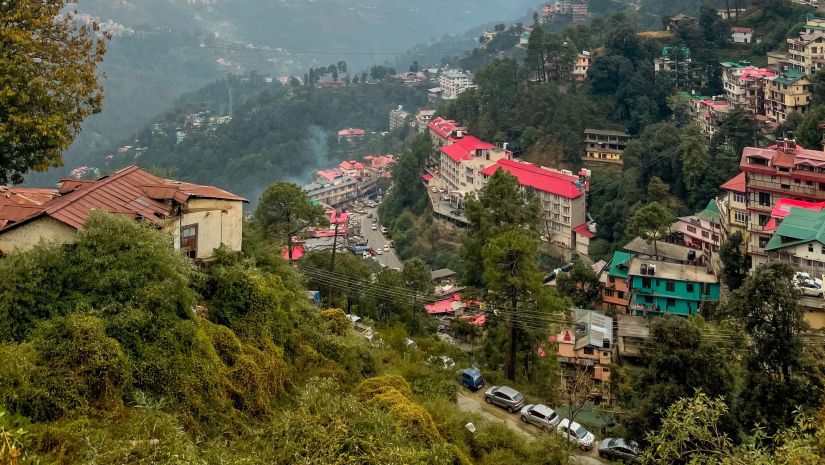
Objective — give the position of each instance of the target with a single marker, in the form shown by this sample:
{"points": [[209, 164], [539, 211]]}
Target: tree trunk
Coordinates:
{"points": [[511, 359]]}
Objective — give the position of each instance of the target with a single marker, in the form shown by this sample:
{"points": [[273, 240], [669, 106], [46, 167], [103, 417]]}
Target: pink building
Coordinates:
{"points": [[708, 114], [703, 230]]}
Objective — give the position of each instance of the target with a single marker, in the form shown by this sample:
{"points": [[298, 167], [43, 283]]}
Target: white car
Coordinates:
{"points": [[386, 248], [383, 230], [378, 251], [434, 189], [374, 227], [576, 433], [545, 238], [445, 197]]}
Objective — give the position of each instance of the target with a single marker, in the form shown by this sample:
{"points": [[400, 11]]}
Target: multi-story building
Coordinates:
{"points": [[588, 343], [674, 62], [615, 291], [581, 66], [702, 231], [745, 86], [564, 7], [604, 146], [548, 10], [199, 219], [442, 133], [674, 22], [399, 117], [709, 113], [579, 11], [806, 53], [335, 193], [786, 93], [733, 206], [659, 287], [800, 240], [783, 170], [453, 82], [562, 200], [462, 161], [423, 118]]}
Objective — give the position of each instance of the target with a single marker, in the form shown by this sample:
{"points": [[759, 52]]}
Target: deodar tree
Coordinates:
{"points": [[48, 84]]}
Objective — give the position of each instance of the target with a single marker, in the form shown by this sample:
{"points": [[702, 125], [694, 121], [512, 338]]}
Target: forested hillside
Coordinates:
{"points": [[276, 134]]}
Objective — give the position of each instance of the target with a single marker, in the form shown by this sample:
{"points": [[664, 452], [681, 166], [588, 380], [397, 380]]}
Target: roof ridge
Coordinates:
{"points": [[63, 200]]}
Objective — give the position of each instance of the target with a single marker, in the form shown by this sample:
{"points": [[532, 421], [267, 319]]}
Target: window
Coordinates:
{"points": [[740, 217], [691, 229], [646, 283], [810, 247], [763, 242], [822, 186], [620, 294], [689, 287], [670, 286], [823, 249], [608, 292], [671, 303], [809, 183], [588, 351], [189, 240], [765, 199], [705, 234], [706, 289], [739, 198], [763, 219], [785, 186]]}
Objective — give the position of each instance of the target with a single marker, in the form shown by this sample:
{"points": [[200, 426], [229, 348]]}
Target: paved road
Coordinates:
{"points": [[472, 402], [376, 240]]}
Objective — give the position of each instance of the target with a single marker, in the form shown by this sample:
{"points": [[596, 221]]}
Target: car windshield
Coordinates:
{"points": [[518, 398], [552, 415], [581, 432]]}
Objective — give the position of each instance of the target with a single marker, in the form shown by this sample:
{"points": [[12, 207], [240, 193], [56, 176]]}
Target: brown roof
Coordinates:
{"points": [[735, 184], [25, 195], [130, 191]]}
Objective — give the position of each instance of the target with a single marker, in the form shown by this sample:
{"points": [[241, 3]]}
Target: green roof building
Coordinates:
{"points": [[800, 240]]}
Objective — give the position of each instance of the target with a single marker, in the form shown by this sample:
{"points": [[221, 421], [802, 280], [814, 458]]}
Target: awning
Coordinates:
{"points": [[426, 177]]}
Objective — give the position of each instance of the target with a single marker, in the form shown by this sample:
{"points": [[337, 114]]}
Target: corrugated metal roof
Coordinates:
{"points": [[130, 191]]}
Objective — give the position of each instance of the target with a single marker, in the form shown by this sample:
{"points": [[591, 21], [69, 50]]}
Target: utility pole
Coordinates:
{"points": [[511, 357], [334, 248]]}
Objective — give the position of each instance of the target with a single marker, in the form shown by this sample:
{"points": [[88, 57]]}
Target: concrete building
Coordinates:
{"points": [[453, 82], [579, 11], [702, 231], [674, 22], [399, 117], [786, 93], [708, 114], [351, 135], [674, 62], [733, 206], [198, 218], [335, 193], [462, 163], [659, 288], [589, 343], [783, 170], [741, 35], [615, 290], [422, 119], [562, 200], [583, 60], [800, 240], [604, 146], [806, 53], [632, 332], [745, 86]]}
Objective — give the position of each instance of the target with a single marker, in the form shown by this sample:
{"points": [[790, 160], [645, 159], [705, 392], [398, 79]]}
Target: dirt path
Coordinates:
{"points": [[474, 402]]}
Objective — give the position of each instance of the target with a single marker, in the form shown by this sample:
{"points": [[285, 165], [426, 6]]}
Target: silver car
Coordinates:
{"points": [[540, 415], [505, 397]]}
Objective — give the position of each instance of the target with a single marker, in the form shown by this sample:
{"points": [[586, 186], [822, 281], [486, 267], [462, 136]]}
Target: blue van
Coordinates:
{"points": [[471, 379]]}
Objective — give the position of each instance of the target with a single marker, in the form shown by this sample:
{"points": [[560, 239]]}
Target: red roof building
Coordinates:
{"points": [[17, 203], [200, 218], [539, 178], [781, 171]]}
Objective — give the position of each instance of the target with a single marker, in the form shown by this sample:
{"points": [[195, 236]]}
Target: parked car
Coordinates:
{"points": [[374, 227], [441, 361], [371, 251], [505, 397], [442, 190], [383, 230], [545, 238], [445, 197], [434, 189], [386, 248], [540, 415], [619, 449], [369, 215], [576, 433], [378, 251], [567, 268], [366, 255], [471, 378], [549, 277]]}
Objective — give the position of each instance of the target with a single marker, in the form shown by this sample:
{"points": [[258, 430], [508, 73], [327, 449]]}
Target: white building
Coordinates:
{"points": [[452, 82], [399, 117], [741, 35]]}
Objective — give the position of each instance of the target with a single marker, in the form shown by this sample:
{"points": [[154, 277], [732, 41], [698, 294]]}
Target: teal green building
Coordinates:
{"points": [[659, 288]]}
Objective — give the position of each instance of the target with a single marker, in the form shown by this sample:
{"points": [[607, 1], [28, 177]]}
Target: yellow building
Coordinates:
{"points": [[604, 146], [198, 218], [786, 93]]}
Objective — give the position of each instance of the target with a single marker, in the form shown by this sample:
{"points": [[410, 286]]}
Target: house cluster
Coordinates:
{"points": [[334, 235], [350, 180], [771, 94], [460, 166], [191, 123], [198, 218], [775, 202], [604, 147]]}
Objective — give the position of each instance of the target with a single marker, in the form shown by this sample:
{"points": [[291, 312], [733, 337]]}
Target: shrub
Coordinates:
{"points": [[336, 321]]}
